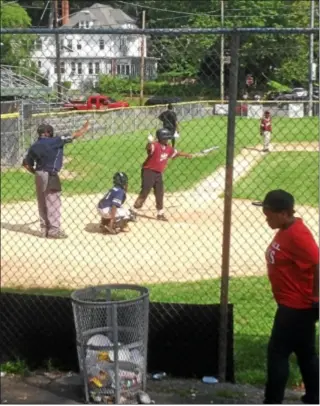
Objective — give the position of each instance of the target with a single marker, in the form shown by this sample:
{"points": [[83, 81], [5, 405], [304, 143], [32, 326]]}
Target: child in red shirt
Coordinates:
{"points": [[159, 153], [266, 130], [293, 270]]}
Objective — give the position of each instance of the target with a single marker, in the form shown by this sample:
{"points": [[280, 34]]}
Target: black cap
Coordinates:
{"points": [[277, 200]]}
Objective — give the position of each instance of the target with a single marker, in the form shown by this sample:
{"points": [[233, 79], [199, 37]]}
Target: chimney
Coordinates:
{"points": [[65, 12]]}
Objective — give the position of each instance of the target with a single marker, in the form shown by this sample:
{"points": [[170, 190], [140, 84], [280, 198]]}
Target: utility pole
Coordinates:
{"points": [[311, 51], [142, 58], [222, 53], [54, 5]]}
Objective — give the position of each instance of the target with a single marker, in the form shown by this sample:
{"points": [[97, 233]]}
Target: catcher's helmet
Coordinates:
{"points": [[120, 179], [163, 134], [45, 128]]}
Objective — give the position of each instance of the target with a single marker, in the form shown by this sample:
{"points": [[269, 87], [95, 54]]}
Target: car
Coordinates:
{"points": [[156, 100], [299, 92], [96, 102]]}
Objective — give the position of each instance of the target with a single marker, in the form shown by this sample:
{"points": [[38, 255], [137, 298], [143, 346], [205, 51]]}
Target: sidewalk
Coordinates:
{"points": [[58, 388]]}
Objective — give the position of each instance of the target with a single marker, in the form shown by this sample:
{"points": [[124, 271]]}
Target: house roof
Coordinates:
{"points": [[102, 15]]}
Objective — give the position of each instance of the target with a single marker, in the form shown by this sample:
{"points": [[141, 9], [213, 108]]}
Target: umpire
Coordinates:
{"points": [[44, 159], [170, 122]]}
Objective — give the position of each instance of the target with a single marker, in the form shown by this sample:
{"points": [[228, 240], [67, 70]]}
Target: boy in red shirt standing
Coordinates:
{"points": [[266, 130], [159, 152], [293, 270]]}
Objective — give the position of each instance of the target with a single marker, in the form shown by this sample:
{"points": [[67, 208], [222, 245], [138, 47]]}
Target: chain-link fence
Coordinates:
{"points": [[211, 249]]}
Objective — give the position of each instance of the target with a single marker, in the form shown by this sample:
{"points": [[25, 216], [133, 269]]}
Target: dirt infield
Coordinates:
{"points": [[188, 247]]}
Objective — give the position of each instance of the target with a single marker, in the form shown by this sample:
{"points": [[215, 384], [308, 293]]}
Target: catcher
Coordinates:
{"points": [[153, 167], [115, 217]]}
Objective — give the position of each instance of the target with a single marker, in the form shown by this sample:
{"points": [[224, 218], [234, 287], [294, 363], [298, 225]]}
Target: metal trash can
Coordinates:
{"points": [[111, 324]]}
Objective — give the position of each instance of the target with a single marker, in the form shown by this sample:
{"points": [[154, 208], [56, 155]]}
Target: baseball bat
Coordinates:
{"points": [[205, 152]]}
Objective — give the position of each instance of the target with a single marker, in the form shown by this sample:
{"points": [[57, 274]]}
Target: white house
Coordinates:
{"points": [[84, 56]]}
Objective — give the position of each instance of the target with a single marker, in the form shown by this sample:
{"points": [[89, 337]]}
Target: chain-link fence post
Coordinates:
{"points": [[233, 92]]}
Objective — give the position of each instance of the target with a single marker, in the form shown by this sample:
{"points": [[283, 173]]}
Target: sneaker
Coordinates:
{"points": [[43, 234], [58, 235], [162, 217], [133, 215]]}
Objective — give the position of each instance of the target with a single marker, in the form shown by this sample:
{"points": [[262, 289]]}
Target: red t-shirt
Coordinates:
{"points": [[158, 156], [266, 124], [292, 258]]}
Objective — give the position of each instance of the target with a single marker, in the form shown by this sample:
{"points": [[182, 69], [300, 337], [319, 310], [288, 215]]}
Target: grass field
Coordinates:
{"points": [[296, 172], [253, 314], [93, 162]]}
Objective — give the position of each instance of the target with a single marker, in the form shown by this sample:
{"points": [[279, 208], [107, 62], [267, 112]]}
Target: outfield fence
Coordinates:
{"points": [[211, 249]]}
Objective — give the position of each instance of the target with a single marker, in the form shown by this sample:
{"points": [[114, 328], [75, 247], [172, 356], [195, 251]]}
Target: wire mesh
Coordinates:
{"points": [[112, 336], [179, 259]]}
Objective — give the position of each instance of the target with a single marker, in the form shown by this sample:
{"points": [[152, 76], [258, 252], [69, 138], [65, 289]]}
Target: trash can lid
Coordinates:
{"points": [[109, 294]]}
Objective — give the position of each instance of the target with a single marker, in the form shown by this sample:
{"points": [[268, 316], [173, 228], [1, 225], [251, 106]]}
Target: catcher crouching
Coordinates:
{"points": [[115, 217]]}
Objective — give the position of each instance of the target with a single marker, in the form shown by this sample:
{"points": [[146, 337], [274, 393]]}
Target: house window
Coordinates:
{"points": [[62, 68], [38, 44], [122, 41], [123, 70], [39, 64], [79, 68], [79, 45], [97, 68], [69, 44], [101, 44], [73, 68], [108, 68], [84, 24], [90, 68]]}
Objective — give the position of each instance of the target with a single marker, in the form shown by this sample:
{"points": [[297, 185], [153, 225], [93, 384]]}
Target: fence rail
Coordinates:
{"points": [[212, 248]]}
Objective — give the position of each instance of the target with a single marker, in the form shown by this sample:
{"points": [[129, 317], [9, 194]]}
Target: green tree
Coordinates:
{"points": [[15, 48]]}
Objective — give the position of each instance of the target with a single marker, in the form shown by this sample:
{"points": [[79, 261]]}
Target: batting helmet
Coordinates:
{"points": [[163, 134], [120, 179], [45, 128]]}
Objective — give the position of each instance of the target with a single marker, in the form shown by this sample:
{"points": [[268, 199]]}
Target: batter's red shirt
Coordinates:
{"points": [[291, 260], [266, 124], [158, 156]]}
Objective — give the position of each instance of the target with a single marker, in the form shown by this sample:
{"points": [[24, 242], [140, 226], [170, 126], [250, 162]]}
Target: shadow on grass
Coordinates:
{"points": [[250, 356]]}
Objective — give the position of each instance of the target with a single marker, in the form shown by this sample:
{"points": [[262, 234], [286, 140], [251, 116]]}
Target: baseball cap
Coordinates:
{"points": [[277, 200]]}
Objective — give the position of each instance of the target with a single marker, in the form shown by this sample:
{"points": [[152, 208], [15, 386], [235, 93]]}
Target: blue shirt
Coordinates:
{"points": [[47, 153], [115, 197]]}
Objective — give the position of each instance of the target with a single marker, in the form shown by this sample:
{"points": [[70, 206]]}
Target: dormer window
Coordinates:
{"points": [[84, 24]]}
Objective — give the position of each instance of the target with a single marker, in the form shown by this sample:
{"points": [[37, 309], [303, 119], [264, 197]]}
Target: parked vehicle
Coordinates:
{"points": [[96, 102], [299, 92]]}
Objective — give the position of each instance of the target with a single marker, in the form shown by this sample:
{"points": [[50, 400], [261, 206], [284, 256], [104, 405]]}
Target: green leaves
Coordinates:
{"points": [[16, 48]]}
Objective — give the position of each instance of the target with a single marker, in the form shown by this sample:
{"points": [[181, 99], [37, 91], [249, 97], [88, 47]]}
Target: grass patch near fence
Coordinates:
{"points": [[296, 172], [94, 161], [254, 309]]}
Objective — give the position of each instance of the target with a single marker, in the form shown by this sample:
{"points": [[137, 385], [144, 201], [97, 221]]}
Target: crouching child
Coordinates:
{"points": [[115, 217]]}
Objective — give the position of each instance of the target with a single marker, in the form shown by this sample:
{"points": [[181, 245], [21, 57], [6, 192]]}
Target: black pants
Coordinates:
{"points": [[294, 331], [151, 180], [173, 140]]}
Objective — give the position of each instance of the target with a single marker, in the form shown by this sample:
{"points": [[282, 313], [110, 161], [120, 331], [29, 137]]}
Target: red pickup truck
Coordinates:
{"points": [[95, 103]]}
